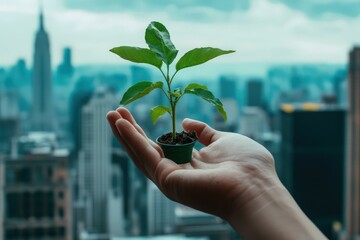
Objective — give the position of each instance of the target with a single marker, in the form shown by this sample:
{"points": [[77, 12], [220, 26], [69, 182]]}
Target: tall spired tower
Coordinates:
{"points": [[42, 106]]}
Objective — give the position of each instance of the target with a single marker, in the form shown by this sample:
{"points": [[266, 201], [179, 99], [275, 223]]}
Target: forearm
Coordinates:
{"points": [[272, 214]]}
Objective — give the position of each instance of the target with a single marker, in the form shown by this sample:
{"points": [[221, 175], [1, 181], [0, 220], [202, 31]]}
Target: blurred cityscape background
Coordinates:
{"points": [[293, 85]]}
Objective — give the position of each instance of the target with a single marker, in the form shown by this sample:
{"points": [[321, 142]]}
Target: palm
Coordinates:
{"points": [[215, 176]]}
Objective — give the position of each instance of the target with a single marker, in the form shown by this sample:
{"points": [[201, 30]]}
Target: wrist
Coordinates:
{"points": [[267, 211]]}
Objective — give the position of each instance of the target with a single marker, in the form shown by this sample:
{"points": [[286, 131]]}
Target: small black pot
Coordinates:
{"points": [[179, 153]]}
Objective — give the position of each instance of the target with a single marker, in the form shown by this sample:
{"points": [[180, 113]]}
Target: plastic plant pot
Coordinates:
{"points": [[179, 153]]}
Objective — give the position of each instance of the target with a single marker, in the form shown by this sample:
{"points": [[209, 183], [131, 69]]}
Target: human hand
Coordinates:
{"points": [[232, 176]]}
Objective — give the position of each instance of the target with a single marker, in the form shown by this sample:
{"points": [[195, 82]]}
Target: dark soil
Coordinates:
{"points": [[181, 138]]}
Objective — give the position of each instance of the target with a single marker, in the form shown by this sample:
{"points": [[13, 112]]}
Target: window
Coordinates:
{"points": [[38, 206], [10, 176], [38, 175], [61, 195], [23, 175], [61, 213], [38, 232], [26, 204], [49, 172], [12, 205], [62, 231], [50, 204]]}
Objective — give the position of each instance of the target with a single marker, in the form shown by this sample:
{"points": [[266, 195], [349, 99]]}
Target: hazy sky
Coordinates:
{"points": [[261, 31]]}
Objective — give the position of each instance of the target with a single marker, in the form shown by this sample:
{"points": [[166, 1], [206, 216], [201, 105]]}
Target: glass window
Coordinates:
{"points": [[39, 232], [12, 205], [49, 172], [38, 175], [61, 213], [61, 195], [62, 231], [38, 205], [50, 204], [26, 204], [10, 176], [23, 175]]}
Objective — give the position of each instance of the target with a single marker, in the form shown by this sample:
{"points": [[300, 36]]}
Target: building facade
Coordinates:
{"points": [[353, 166], [255, 93], [313, 163], [37, 197], [95, 161], [161, 212]]}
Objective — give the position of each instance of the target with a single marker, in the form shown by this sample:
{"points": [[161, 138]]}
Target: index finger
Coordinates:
{"points": [[140, 146], [205, 134]]}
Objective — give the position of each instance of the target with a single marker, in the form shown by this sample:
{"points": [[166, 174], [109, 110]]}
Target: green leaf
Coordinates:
{"points": [[158, 39], [195, 85], [209, 97], [158, 111], [139, 90], [137, 55], [199, 56]]}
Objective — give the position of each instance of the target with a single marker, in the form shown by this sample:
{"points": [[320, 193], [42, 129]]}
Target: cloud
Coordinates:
{"points": [[268, 31], [145, 5], [324, 8]]}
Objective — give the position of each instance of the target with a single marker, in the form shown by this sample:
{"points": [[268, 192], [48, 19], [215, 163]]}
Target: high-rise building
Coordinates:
{"points": [[83, 91], [121, 160], [353, 166], [161, 212], [255, 93], [228, 87], [138, 206], [18, 81], [9, 129], [65, 70], [9, 104], [95, 160], [18, 77], [229, 95], [42, 105], [312, 161], [232, 122], [37, 196], [115, 201], [1, 196], [254, 122]]}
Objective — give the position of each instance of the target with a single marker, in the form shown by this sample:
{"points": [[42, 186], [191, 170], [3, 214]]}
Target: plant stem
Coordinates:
{"points": [[172, 104], [173, 117]]}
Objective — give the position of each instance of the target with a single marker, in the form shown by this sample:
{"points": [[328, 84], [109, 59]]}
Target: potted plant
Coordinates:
{"points": [[161, 54]]}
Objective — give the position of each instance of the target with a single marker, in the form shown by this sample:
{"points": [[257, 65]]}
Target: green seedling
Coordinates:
{"points": [[161, 54]]}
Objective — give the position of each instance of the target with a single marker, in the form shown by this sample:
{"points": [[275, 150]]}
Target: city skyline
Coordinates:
{"points": [[294, 34], [109, 196]]}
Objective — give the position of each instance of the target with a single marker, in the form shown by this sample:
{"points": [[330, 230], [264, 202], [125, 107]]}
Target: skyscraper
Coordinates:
{"points": [[65, 70], [95, 161], [228, 87], [255, 93], [1, 196], [42, 105], [37, 196], [161, 212], [353, 166], [312, 162]]}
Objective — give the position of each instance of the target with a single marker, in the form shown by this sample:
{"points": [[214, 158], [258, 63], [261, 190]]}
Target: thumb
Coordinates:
{"points": [[205, 134]]}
